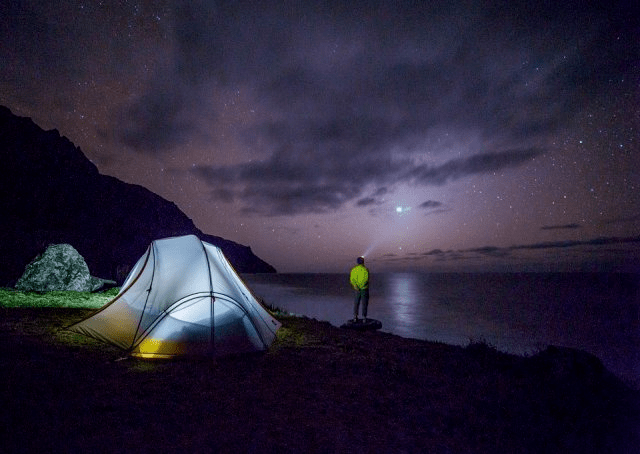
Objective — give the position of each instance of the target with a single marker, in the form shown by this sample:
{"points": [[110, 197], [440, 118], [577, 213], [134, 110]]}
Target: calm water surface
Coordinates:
{"points": [[517, 313]]}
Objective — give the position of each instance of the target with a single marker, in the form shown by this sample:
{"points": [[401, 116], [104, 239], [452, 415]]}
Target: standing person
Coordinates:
{"points": [[359, 278]]}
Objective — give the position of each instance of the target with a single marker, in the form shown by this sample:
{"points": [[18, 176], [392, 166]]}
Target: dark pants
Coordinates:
{"points": [[362, 295]]}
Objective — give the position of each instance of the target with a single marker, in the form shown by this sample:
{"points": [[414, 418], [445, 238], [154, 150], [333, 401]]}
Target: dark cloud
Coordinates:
{"points": [[491, 251], [504, 255], [494, 251], [280, 187], [375, 199], [561, 227], [573, 243], [362, 78], [481, 163], [367, 201], [291, 183], [429, 204]]}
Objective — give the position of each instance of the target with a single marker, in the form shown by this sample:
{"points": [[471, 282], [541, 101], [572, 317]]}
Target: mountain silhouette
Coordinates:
{"points": [[51, 193]]}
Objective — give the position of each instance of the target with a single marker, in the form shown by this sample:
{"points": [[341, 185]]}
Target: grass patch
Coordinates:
{"points": [[66, 299], [290, 337]]}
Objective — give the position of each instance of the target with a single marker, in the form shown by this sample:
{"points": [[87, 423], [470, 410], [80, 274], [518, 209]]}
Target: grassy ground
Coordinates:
{"points": [[79, 300], [318, 389]]}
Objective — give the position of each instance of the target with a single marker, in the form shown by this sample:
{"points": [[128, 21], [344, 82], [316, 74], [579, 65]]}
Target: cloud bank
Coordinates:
{"points": [[365, 94]]}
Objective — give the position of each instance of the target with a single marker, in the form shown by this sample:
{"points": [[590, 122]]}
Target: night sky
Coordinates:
{"points": [[434, 135]]}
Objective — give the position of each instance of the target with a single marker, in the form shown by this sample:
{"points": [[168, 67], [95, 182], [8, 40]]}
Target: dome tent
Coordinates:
{"points": [[182, 297]]}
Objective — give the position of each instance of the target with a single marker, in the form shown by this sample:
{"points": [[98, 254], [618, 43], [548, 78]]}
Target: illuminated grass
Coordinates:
{"points": [[76, 300], [290, 337]]}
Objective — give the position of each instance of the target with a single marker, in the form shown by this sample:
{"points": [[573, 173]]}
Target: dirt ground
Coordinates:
{"points": [[318, 389]]}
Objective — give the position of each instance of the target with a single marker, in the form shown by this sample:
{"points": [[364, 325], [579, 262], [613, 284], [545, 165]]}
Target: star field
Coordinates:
{"points": [[440, 136]]}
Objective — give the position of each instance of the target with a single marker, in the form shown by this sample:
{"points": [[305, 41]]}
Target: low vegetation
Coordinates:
{"points": [[74, 300]]}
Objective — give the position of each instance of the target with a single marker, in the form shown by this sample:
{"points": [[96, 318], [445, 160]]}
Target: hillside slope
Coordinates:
{"points": [[51, 193]]}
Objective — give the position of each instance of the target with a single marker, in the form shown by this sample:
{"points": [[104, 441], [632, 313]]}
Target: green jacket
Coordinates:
{"points": [[359, 277]]}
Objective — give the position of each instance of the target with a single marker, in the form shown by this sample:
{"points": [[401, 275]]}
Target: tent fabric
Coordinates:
{"points": [[182, 297]]}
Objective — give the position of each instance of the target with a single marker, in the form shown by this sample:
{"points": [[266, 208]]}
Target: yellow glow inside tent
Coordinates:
{"points": [[156, 348]]}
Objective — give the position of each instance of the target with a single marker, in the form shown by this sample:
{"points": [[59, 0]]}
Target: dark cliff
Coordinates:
{"points": [[51, 193]]}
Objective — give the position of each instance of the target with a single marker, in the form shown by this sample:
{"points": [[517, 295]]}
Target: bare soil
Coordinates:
{"points": [[318, 389]]}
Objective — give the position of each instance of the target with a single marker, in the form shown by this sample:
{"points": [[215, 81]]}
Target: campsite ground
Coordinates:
{"points": [[319, 389]]}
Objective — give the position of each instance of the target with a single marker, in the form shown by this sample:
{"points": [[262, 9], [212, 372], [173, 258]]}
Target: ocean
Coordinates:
{"points": [[519, 313]]}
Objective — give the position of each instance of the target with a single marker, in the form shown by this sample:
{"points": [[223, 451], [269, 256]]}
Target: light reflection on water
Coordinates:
{"points": [[416, 305], [402, 300]]}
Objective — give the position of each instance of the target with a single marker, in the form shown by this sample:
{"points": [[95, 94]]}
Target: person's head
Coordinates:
{"points": [[360, 260]]}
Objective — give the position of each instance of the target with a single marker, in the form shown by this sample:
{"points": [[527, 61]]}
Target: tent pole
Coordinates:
{"points": [[212, 348], [213, 327]]}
